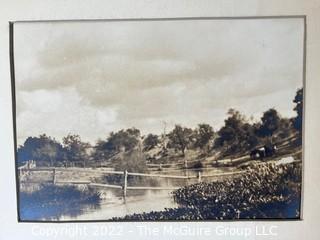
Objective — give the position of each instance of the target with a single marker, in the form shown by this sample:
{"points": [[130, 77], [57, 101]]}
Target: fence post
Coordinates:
{"points": [[125, 183], [199, 176], [186, 167], [54, 176], [238, 214]]}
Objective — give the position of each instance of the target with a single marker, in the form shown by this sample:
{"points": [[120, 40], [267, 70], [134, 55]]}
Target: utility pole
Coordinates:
{"points": [[164, 134]]}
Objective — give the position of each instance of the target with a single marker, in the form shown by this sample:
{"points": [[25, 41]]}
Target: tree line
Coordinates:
{"points": [[237, 135]]}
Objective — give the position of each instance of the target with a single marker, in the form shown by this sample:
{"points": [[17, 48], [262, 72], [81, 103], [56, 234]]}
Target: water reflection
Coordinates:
{"points": [[52, 202], [55, 212], [113, 206]]}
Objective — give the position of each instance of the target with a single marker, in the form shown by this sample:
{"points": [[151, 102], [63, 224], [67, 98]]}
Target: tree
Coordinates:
{"points": [[76, 150], [99, 152], [270, 123], [125, 140], [131, 161], [231, 133], [43, 149], [298, 100], [180, 138], [249, 138], [227, 134], [150, 142], [237, 135], [204, 133], [133, 132], [285, 127]]}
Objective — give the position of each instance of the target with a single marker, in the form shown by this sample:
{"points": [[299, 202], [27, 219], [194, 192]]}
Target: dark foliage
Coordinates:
{"points": [[266, 191], [180, 138], [237, 135], [198, 164], [44, 150], [270, 123], [75, 149], [150, 142], [298, 100], [203, 134], [123, 139], [133, 161]]}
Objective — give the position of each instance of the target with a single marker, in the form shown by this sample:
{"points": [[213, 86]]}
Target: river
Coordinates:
{"points": [[137, 201]]}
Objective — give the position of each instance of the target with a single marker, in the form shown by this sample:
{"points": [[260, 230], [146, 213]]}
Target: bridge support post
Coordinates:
{"points": [[185, 167], [125, 184], [54, 176]]}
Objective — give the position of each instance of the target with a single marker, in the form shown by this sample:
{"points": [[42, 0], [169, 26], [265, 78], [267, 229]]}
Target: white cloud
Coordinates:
{"points": [[58, 113], [101, 76]]}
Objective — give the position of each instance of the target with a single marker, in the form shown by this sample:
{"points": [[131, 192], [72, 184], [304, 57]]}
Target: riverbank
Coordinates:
{"points": [[266, 191]]}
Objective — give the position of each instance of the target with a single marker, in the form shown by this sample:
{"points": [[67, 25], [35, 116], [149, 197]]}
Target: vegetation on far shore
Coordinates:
{"points": [[237, 136]]}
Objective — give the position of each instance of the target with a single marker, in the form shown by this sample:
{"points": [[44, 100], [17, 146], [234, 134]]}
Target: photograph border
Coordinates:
{"points": [[13, 94]]}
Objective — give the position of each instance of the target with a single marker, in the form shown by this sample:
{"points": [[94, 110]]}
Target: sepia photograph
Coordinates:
{"points": [[180, 119]]}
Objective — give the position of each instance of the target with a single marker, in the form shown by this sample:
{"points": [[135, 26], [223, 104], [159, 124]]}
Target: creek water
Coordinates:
{"points": [[114, 206], [137, 201]]}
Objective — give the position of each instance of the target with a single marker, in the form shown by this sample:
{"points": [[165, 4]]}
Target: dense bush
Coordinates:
{"points": [[197, 164], [133, 161], [265, 191], [181, 213]]}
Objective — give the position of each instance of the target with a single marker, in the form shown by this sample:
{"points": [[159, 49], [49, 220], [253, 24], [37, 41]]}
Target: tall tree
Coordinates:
{"points": [[122, 140], [298, 100], [237, 135], [270, 123], [230, 134], [204, 133], [285, 127], [76, 150], [150, 142], [180, 138], [100, 153], [249, 138]]}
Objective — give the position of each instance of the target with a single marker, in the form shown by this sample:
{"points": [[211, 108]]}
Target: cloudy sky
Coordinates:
{"points": [[91, 78]]}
